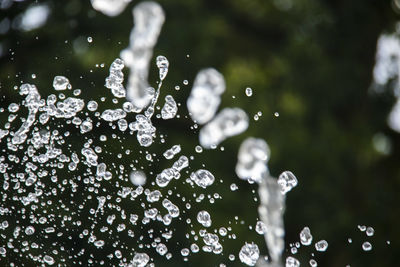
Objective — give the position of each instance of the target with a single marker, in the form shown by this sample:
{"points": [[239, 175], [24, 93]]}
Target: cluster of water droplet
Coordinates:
{"points": [[50, 184]]}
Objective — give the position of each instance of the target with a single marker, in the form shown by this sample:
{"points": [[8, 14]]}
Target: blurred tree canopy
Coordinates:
{"points": [[308, 61]]}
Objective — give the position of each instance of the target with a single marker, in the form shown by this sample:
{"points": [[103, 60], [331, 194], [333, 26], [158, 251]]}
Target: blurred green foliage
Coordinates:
{"points": [[311, 61]]}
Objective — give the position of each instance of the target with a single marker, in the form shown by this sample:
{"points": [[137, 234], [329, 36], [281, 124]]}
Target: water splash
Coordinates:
{"points": [[148, 19], [90, 175], [271, 209]]}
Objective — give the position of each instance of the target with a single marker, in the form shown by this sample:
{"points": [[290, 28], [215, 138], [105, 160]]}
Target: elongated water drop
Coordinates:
{"points": [[305, 236], [149, 18], [169, 109], [162, 65]]}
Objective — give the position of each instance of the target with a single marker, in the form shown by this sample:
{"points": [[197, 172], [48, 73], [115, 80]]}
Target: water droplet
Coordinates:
{"points": [[313, 263], [204, 218], [169, 109], [234, 187], [162, 65], [362, 228], [366, 246], [90, 39], [249, 91], [305, 236], [138, 178], [99, 243], [60, 83], [321, 245], [140, 259], [161, 249], [249, 254], [92, 105], [292, 262], [30, 230], [198, 149], [194, 248], [48, 259], [287, 181], [261, 228], [370, 231], [202, 178], [170, 153], [185, 252]]}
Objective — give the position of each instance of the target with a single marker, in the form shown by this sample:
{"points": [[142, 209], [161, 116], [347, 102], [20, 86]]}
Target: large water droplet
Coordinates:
{"points": [[249, 254], [305, 236], [60, 83], [204, 218], [321, 245], [287, 181]]}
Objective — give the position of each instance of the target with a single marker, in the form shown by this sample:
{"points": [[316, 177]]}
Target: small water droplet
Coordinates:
{"points": [[366, 246], [249, 91]]}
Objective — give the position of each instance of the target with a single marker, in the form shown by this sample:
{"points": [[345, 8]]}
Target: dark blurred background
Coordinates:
{"points": [[310, 61]]}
